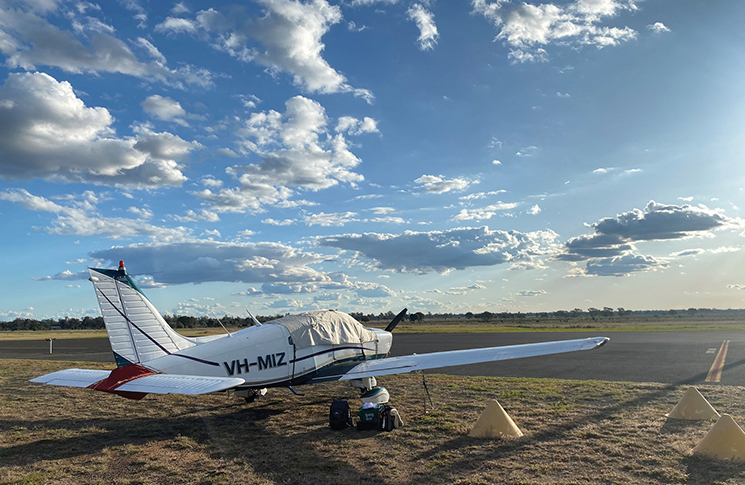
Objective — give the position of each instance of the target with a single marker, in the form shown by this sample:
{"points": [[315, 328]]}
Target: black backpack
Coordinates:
{"points": [[340, 415], [387, 420]]}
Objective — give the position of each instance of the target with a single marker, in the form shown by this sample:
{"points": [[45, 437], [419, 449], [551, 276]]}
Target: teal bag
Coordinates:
{"points": [[369, 418]]}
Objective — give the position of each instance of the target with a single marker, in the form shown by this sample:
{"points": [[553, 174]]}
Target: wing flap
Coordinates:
{"points": [[436, 360]]}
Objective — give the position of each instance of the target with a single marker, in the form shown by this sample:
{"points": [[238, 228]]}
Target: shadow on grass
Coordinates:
{"points": [[235, 432], [678, 426], [705, 471], [512, 448]]}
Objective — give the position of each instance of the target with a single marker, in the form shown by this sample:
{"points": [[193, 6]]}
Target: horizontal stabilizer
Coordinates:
{"points": [[149, 384], [73, 377], [436, 360]]}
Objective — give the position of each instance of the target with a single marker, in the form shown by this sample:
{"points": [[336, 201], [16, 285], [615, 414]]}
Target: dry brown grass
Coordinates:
{"points": [[575, 432]]}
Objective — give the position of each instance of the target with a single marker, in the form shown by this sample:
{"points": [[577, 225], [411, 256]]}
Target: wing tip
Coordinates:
{"points": [[600, 341]]}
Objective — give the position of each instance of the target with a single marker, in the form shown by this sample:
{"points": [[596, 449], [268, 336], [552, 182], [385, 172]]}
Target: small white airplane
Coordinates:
{"points": [[306, 348]]}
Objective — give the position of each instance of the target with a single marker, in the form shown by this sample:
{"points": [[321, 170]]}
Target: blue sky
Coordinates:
{"points": [[368, 155]]}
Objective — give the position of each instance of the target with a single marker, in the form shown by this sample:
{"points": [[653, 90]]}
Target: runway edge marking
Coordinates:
{"points": [[715, 373]]}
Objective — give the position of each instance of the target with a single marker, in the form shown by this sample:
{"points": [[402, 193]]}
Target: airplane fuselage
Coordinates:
{"points": [[265, 356]]}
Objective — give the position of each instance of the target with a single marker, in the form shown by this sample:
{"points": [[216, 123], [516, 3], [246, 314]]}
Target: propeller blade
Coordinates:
{"points": [[396, 321]]}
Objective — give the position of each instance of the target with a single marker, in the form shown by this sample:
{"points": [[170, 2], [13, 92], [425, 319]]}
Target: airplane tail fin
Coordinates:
{"points": [[136, 330]]}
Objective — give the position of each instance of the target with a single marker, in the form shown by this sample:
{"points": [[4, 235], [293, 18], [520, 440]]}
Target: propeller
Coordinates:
{"points": [[396, 321]]}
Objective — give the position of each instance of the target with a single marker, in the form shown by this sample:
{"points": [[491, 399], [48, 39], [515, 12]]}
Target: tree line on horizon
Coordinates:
{"points": [[189, 321]]}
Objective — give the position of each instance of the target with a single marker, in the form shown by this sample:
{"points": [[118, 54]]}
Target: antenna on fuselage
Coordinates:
{"points": [[223, 326], [253, 317]]}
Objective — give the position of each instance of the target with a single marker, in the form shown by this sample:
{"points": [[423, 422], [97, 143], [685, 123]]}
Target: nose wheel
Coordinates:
{"points": [[369, 391]]}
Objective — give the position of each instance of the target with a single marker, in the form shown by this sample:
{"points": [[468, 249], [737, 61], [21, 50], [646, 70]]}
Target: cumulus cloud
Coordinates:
{"points": [[688, 252], [149, 282], [200, 261], [483, 213], [658, 28], [529, 151], [176, 25], [438, 184], [290, 34], [623, 265], [201, 216], [535, 210], [367, 3], [150, 49], [287, 288], [480, 195], [463, 290], [613, 235], [165, 109], [610, 250], [8, 315], [274, 222], [279, 269], [382, 211], [29, 40], [82, 219], [66, 275], [47, 132], [305, 24], [288, 303], [386, 220], [297, 153], [443, 251], [373, 290], [141, 213], [336, 219], [353, 126], [425, 21], [615, 171], [529, 293], [726, 249], [251, 291], [699, 251], [528, 28], [660, 221]]}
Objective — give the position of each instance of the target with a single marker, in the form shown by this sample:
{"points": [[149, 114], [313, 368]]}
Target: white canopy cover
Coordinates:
{"points": [[325, 327]]}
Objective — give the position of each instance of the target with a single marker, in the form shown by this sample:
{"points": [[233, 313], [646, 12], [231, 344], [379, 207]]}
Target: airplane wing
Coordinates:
{"points": [[436, 360], [152, 383]]}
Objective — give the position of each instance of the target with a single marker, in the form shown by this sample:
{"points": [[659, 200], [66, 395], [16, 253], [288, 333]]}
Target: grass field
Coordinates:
{"points": [[575, 432]]}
